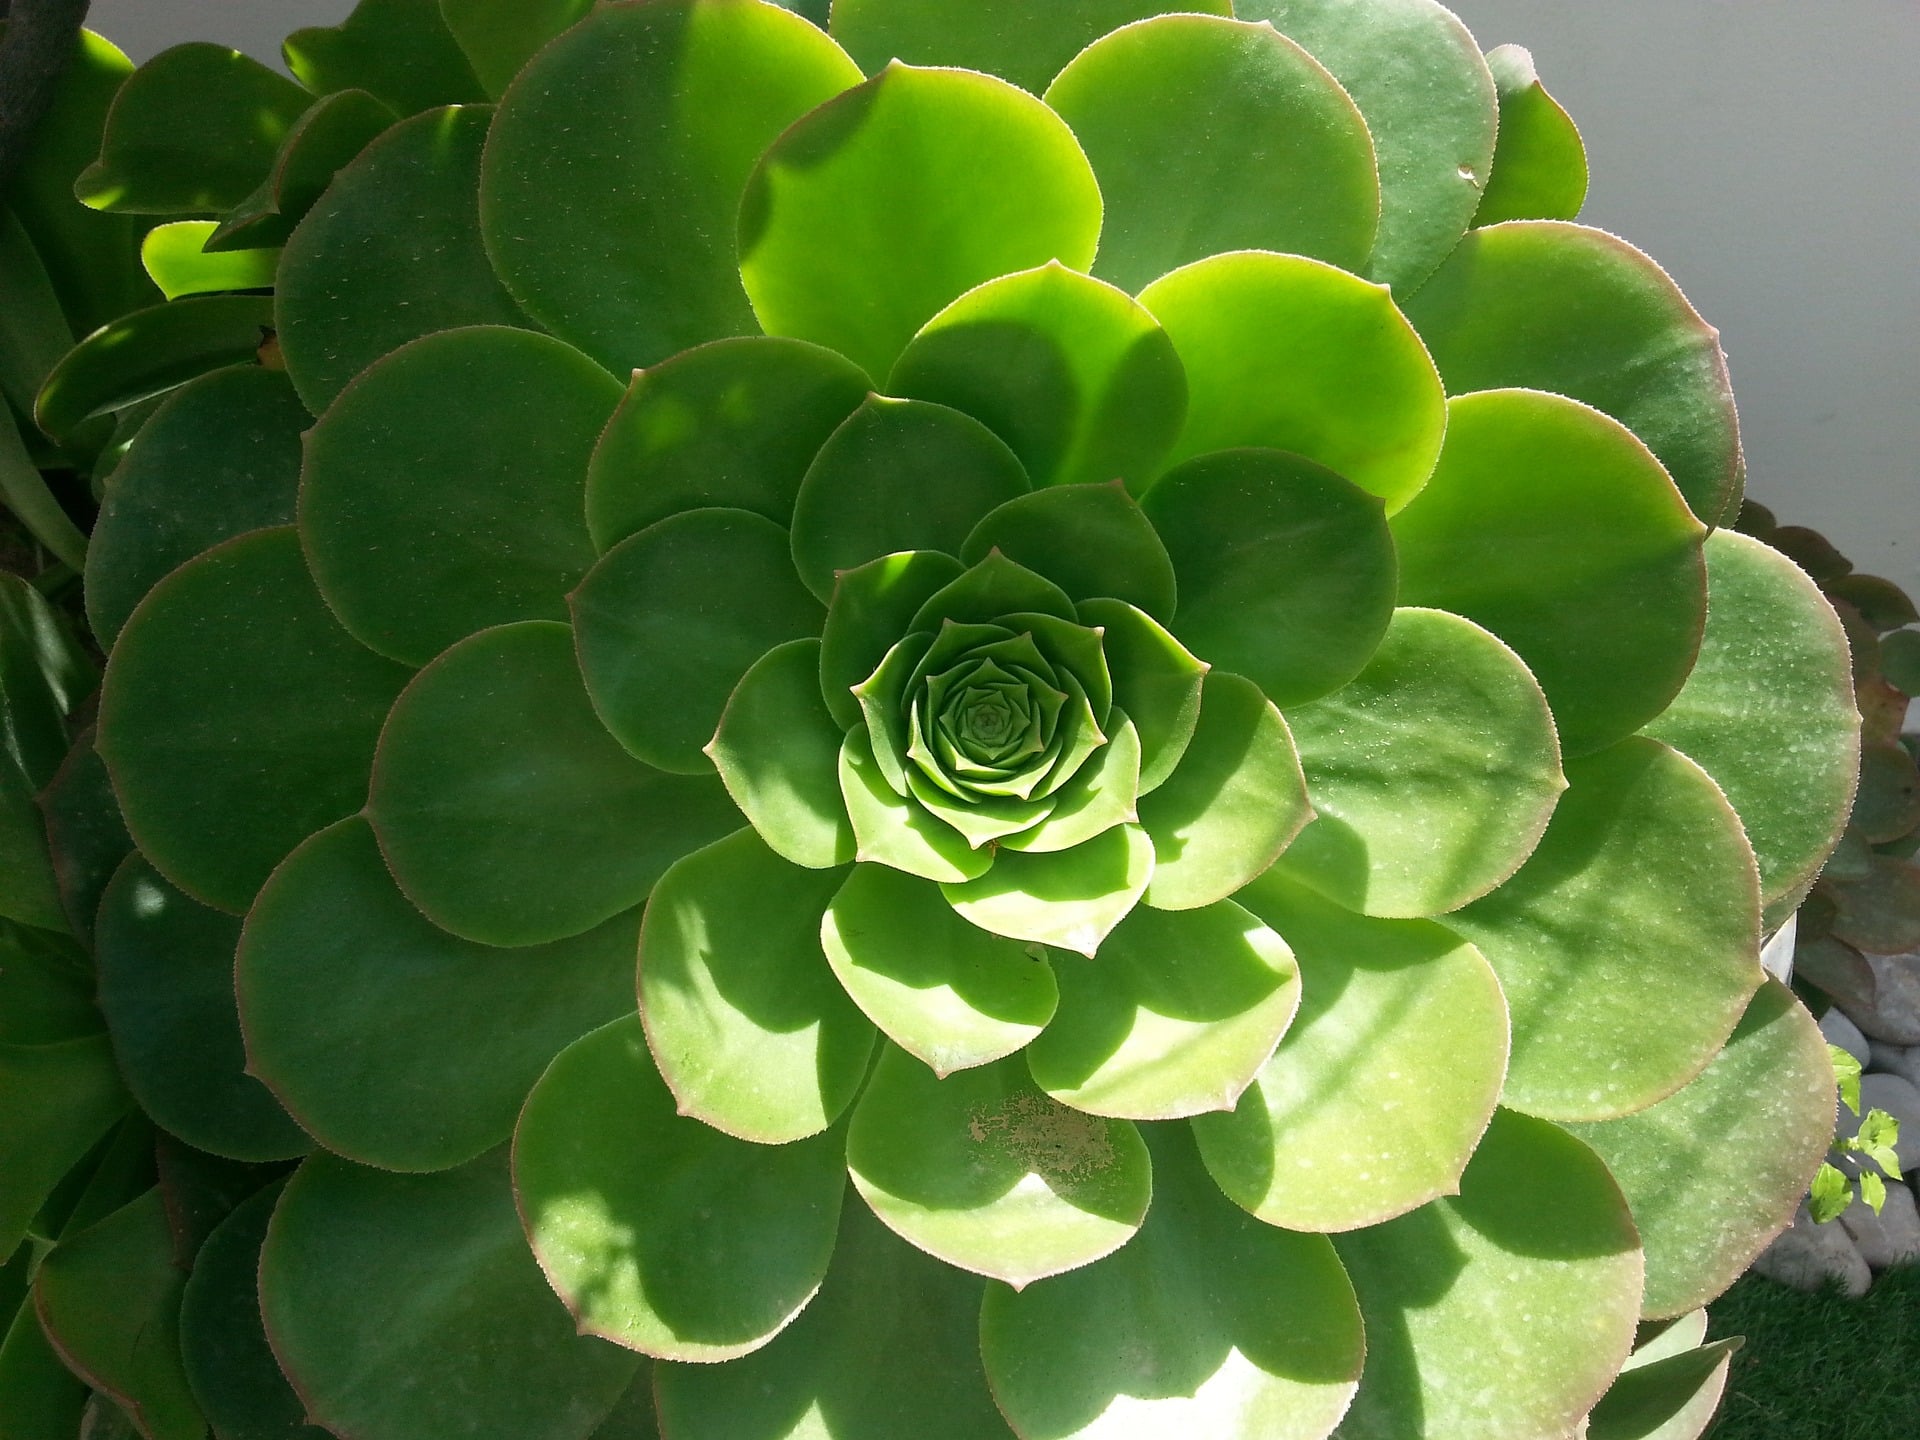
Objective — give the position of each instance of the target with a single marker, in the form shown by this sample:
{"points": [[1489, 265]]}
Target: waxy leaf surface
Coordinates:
{"points": [[1210, 135], [1292, 354], [470, 1341], [1172, 1018], [1206, 1323], [1569, 309], [221, 456], [1002, 37], [396, 1043], [1504, 1310], [1429, 103], [1539, 163], [1628, 943], [870, 215], [390, 252], [223, 1342], [1383, 1084], [1231, 805], [615, 169], [166, 987], [670, 619], [702, 1251], [237, 717], [898, 475], [1768, 709], [733, 422], [1432, 775], [1715, 1170], [945, 991], [751, 1030], [983, 1171], [507, 812], [1070, 371], [890, 1346], [1556, 529], [1285, 570], [492, 428]]}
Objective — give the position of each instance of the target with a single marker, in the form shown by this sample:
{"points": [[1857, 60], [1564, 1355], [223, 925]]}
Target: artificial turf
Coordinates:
{"points": [[1821, 1367]]}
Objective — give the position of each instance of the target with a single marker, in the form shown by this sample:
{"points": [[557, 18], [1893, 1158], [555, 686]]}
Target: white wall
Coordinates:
{"points": [[1767, 152]]}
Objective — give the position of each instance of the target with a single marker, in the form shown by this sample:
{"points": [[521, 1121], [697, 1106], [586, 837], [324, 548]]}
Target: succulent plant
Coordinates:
{"points": [[1144, 662]]}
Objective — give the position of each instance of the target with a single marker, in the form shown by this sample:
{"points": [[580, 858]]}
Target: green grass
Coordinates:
{"points": [[1821, 1367]]}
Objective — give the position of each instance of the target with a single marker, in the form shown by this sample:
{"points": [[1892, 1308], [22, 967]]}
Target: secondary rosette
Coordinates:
{"points": [[1062, 666]]}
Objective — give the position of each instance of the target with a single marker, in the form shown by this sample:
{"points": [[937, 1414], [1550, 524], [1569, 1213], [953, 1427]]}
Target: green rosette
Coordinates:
{"points": [[1043, 826]]}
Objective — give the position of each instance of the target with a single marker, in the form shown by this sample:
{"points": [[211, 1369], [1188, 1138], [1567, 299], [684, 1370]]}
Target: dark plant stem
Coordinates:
{"points": [[37, 46]]}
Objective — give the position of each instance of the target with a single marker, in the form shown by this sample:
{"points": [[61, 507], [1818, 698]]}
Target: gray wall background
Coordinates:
{"points": [[1767, 152]]}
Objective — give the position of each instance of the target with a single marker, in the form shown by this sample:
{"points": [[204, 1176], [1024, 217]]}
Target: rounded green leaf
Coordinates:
{"points": [[702, 1251], [174, 256], [1173, 1018], [983, 1171], [221, 456], [890, 829], [898, 475], [1417, 76], [1092, 541], [1675, 1397], [1287, 353], [1643, 862], [324, 139], [1155, 681], [507, 812], [1773, 663], [1539, 163], [1432, 775], [1071, 372], [751, 1031], [1596, 580], [947, 992], [148, 353], [43, 1396], [735, 422], [889, 1347], [1002, 37], [1210, 135], [778, 753], [192, 130], [1714, 1171], [390, 252], [499, 36], [867, 217], [873, 605], [237, 717], [992, 589], [166, 989], [109, 1300], [1575, 311], [400, 50], [1069, 898], [1383, 1084], [1286, 571], [1103, 793], [1231, 805], [1505, 1310], [223, 1342], [492, 427], [671, 618], [615, 169], [470, 1342], [1206, 1323], [398, 1044]]}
